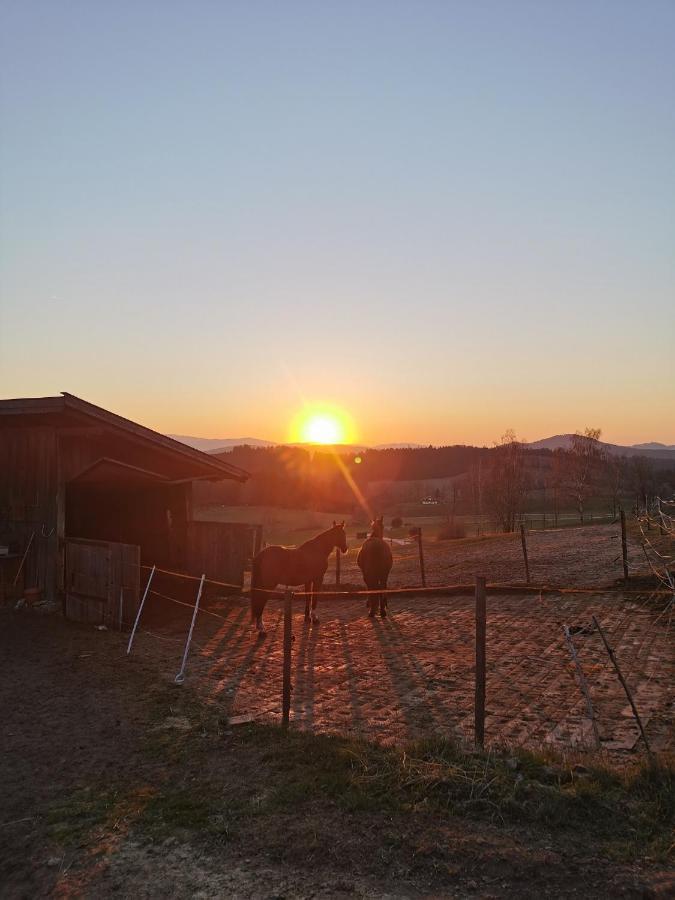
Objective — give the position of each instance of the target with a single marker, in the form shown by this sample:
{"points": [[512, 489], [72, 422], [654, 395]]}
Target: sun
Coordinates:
{"points": [[323, 430], [322, 424]]}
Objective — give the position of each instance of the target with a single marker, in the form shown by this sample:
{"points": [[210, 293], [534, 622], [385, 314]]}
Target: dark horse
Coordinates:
{"points": [[375, 561], [305, 564]]}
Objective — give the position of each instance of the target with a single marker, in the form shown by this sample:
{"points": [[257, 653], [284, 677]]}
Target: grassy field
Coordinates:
{"points": [[291, 527], [288, 527]]}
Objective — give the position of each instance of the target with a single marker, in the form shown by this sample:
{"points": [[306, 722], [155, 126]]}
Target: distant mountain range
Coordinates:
{"points": [[653, 445], [218, 445], [223, 445], [651, 449]]}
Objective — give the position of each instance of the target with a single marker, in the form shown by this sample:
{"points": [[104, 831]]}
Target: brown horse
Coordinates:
{"points": [[375, 561], [305, 564]]}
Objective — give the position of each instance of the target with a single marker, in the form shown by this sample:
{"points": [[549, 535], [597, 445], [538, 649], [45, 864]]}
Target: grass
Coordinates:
{"points": [[293, 526], [628, 813], [70, 820], [297, 796], [196, 809]]}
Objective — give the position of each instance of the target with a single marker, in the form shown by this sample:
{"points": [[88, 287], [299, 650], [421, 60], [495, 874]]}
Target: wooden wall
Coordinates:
{"points": [[28, 501], [221, 550]]}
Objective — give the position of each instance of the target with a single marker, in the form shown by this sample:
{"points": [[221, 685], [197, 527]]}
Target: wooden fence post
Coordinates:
{"points": [[624, 547], [421, 549], [481, 629], [337, 567], [288, 643], [610, 653], [524, 543]]}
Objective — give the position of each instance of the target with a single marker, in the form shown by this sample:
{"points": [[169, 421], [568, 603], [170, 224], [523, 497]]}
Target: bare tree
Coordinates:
{"points": [[615, 473], [584, 462], [642, 472], [506, 482], [557, 480]]}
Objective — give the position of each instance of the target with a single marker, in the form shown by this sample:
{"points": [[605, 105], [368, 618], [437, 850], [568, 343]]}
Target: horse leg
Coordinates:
{"points": [[258, 602], [308, 597], [383, 599], [316, 587], [371, 602]]}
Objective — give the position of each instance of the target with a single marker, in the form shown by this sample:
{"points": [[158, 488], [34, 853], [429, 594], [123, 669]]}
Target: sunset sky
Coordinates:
{"points": [[445, 218]]}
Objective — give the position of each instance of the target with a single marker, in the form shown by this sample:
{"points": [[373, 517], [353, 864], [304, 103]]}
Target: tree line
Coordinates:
{"points": [[499, 482], [573, 476]]}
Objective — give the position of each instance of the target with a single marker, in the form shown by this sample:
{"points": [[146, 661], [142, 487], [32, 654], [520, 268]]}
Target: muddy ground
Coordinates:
{"points": [[116, 782], [93, 744], [411, 674]]}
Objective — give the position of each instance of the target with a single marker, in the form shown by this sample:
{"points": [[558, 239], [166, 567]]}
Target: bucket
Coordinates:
{"points": [[32, 595]]}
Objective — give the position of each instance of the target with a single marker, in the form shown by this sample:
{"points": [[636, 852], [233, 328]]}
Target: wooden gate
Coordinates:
{"points": [[221, 550], [102, 583]]}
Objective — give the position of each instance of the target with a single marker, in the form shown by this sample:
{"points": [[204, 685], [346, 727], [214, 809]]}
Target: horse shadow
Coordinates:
{"points": [[408, 678]]}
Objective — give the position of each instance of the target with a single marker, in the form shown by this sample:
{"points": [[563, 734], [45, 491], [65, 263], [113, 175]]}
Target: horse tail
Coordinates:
{"points": [[257, 596]]}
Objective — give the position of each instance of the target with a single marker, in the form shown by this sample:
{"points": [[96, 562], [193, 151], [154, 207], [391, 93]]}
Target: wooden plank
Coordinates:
{"points": [[288, 645], [96, 572], [80, 608]]}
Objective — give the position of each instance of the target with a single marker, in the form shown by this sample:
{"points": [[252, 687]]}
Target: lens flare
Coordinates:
{"points": [[322, 424]]}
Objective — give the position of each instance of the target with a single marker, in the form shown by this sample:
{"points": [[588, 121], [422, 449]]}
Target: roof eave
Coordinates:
{"points": [[222, 470]]}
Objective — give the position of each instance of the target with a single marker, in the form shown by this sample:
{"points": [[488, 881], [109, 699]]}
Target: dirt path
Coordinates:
{"points": [[104, 764]]}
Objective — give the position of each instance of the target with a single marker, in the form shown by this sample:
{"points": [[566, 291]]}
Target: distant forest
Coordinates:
{"points": [[498, 478]]}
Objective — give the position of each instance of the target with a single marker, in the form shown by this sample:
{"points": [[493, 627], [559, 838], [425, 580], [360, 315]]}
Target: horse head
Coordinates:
{"points": [[340, 536], [377, 527]]}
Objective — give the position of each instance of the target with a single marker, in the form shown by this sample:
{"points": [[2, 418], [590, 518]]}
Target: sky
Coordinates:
{"points": [[445, 218]]}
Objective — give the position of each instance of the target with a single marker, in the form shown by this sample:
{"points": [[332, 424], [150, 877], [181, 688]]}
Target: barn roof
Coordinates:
{"points": [[70, 411]]}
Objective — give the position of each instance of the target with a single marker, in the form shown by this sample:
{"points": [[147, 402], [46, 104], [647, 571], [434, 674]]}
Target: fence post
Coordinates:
{"points": [[624, 547], [481, 629], [337, 567], [140, 610], [180, 677], [421, 549], [610, 653], [524, 543], [288, 642]]}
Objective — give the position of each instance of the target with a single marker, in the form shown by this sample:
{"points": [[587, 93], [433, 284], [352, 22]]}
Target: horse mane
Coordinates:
{"points": [[318, 538]]}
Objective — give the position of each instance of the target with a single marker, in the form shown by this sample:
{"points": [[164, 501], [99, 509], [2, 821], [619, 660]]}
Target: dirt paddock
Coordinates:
{"points": [[412, 674]]}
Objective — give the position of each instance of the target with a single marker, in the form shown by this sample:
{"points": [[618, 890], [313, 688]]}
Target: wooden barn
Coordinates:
{"points": [[93, 497]]}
